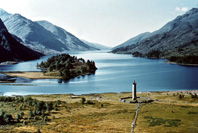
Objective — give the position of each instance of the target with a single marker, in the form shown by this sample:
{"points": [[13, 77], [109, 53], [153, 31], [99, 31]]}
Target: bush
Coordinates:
{"points": [[35, 118], [83, 100], [7, 118], [30, 114], [38, 131], [24, 123], [90, 102], [21, 115], [181, 96], [18, 118], [194, 96]]}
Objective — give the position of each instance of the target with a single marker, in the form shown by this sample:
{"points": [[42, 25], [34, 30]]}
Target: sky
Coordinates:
{"points": [[107, 22]]}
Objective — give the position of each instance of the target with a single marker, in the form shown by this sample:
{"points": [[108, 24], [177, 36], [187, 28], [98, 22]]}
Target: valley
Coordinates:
{"points": [[54, 81]]}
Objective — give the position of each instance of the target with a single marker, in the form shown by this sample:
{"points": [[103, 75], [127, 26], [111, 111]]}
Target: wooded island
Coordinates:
{"points": [[67, 66]]}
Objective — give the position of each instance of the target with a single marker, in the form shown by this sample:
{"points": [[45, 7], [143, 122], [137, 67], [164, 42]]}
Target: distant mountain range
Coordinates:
{"points": [[96, 45], [177, 38], [13, 50], [134, 40], [42, 36]]}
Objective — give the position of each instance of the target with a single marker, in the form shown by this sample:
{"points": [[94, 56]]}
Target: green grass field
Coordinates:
{"points": [[105, 113]]}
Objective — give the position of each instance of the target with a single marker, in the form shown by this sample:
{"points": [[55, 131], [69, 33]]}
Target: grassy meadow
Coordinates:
{"points": [[170, 112]]}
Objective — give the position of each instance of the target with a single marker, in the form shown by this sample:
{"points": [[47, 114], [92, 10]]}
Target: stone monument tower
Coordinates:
{"points": [[134, 91]]}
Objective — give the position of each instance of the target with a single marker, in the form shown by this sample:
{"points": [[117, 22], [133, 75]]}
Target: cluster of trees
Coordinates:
{"points": [[137, 54], [36, 109], [184, 59], [40, 108], [5, 118], [154, 54], [11, 99], [68, 66]]}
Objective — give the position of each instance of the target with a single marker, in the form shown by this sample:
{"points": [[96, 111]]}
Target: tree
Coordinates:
{"points": [[154, 54], [38, 131], [18, 117], [7, 118], [68, 65], [30, 114], [21, 115], [66, 74], [51, 68]]}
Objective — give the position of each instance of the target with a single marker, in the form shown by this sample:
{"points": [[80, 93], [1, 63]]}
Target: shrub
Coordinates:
{"points": [[24, 122], [194, 96], [35, 118], [7, 118], [38, 131], [90, 102], [181, 96], [83, 100], [18, 117], [30, 114]]}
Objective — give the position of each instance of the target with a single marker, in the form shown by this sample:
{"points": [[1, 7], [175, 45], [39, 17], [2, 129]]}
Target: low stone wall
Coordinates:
{"points": [[147, 100]]}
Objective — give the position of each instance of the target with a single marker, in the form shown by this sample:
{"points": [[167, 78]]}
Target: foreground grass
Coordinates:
{"points": [[104, 113], [157, 117], [169, 113], [72, 116]]}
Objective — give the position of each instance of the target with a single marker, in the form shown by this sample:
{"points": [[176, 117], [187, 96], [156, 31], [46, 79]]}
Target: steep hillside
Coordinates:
{"points": [[177, 38], [70, 41], [42, 36], [12, 50], [134, 40]]}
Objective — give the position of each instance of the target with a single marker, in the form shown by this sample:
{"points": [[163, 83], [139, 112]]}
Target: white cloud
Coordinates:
{"points": [[181, 9], [184, 9], [177, 9]]}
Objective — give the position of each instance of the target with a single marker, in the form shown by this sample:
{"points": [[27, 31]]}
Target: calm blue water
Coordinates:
{"points": [[115, 74]]}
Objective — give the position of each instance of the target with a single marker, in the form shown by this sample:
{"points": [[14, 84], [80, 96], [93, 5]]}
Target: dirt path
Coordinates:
{"points": [[136, 113]]}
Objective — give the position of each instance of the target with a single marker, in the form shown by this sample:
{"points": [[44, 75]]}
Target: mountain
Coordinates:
{"points": [[134, 40], [42, 36], [71, 42], [12, 50], [179, 37], [96, 45], [3, 14]]}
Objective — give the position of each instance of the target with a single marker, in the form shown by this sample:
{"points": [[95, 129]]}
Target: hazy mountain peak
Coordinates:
{"points": [[3, 11], [43, 36], [71, 41], [134, 40], [4, 14], [96, 45]]}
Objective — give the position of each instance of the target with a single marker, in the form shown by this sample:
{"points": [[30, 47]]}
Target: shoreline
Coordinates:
{"points": [[181, 64], [110, 93], [30, 75]]}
